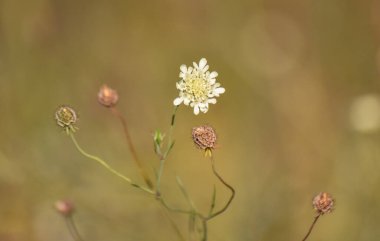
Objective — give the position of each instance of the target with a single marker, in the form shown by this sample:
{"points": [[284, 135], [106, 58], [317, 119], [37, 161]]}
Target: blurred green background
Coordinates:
{"points": [[301, 115]]}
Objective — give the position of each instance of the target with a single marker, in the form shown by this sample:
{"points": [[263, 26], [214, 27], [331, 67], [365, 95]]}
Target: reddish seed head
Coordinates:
{"points": [[323, 203], [107, 97], [204, 137], [64, 207]]}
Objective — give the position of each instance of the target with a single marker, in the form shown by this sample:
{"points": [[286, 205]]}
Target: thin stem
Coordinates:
{"points": [[72, 228], [225, 184], [185, 194], [177, 210], [160, 171], [173, 224], [132, 148], [169, 147], [108, 167], [205, 234], [311, 227], [172, 123]]}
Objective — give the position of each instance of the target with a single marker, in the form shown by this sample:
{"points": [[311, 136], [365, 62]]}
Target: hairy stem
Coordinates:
{"points": [[311, 227], [108, 167], [131, 147]]}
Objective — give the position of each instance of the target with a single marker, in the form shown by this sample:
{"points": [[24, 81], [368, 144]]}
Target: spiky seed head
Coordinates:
{"points": [[66, 117]]}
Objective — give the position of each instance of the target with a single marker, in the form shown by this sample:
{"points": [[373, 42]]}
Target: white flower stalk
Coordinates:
{"points": [[198, 87]]}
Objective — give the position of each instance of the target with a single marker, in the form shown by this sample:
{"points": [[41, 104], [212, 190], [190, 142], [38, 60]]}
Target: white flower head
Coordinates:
{"points": [[198, 87]]}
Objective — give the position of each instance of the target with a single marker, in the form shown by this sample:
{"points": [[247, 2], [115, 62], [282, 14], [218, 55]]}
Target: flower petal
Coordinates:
{"points": [[202, 63], [204, 109], [186, 101], [178, 101], [196, 109], [213, 75], [183, 69], [219, 90], [211, 101]]}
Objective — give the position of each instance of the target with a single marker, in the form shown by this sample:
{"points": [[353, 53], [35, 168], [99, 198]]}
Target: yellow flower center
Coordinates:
{"points": [[198, 87]]}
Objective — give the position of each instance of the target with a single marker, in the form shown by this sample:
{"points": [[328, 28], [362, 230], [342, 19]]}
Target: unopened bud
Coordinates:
{"points": [[66, 208], [107, 97]]}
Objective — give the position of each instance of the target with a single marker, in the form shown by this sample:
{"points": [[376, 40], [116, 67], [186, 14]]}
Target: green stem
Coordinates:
{"points": [[172, 123], [225, 184], [204, 224], [169, 147], [176, 210], [108, 167], [173, 223]]}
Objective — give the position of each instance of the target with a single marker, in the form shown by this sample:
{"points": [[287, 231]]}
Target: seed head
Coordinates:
{"points": [[66, 208], [204, 137], [323, 203], [107, 97], [66, 118]]}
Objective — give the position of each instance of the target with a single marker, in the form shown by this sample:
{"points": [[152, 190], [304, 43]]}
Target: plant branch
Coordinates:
{"points": [[108, 167], [131, 147], [72, 228], [225, 184], [311, 227]]}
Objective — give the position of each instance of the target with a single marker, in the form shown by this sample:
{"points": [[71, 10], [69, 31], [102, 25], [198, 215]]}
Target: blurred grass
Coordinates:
{"points": [[291, 69]]}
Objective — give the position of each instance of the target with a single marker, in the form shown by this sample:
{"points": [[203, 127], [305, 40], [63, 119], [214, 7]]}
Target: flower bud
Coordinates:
{"points": [[66, 208], [323, 203], [107, 97], [204, 137]]}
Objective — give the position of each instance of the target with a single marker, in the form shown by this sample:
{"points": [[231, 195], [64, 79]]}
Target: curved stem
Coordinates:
{"points": [[108, 167], [132, 148], [311, 227], [225, 184], [72, 228]]}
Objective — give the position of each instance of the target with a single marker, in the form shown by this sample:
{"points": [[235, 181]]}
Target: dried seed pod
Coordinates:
{"points": [[204, 137]]}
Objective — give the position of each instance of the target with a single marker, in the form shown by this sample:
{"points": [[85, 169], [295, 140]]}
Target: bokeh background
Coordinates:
{"points": [[301, 115]]}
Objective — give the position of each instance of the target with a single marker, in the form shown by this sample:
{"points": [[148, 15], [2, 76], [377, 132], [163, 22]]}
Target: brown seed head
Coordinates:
{"points": [[66, 117], [65, 208], [204, 137], [107, 97], [323, 203]]}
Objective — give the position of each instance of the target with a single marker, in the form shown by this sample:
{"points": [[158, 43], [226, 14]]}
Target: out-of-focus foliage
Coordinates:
{"points": [[300, 115]]}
